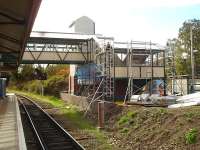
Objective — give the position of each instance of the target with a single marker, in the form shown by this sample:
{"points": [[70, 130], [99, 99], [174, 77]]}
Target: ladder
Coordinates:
{"points": [[105, 68], [108, 85]]}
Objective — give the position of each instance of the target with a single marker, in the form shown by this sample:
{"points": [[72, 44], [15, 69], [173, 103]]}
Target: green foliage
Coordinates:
{"points": [[183, 44], [57, 70], [55, 84], [24, 73], [184, 33], [72, 113], [124, 130], [191, 136], [162, 111], [32, 86], [53, 101], [127, 118], [189, 114], [57, 79], [192, 115]]}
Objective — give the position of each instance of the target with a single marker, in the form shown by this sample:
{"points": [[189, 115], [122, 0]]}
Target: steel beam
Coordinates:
{"points": [[13, 18], [11, 39], [8, 49]]}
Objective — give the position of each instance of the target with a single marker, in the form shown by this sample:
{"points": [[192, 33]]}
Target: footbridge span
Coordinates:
{"points": [[59, 48]]}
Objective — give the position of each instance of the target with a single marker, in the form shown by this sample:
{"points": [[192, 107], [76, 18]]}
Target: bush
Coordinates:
{"points": [[56, 81], [32, 86], [54, 85], [191, 136]]}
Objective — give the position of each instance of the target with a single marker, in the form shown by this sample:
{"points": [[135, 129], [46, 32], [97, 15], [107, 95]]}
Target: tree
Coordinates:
{"points": [[182, 46], [25, 73], [62, 70]]}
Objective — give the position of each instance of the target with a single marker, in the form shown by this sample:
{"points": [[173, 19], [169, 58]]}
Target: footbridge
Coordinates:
{"points": [[59, 48]]}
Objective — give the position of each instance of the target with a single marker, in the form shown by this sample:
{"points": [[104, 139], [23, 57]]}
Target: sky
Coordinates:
{"points": [[125, 20]]}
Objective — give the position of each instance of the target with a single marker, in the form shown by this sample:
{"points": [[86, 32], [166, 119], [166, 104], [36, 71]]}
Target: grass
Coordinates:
{"points": [[73, 114], [119, 102], [125, 130], [100, 135], [192, 114], [162, 111], [53, 101], [191, 136], [127, 118]]}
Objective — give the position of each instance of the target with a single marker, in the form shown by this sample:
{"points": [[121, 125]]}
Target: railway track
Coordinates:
{"points": [[43, 131]]}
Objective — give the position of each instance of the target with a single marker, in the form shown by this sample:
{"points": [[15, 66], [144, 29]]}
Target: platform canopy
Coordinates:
{"points": [[16, 21]]}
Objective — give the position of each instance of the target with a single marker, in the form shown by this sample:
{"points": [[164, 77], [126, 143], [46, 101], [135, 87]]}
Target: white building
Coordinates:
{"points": [[83, 25]]}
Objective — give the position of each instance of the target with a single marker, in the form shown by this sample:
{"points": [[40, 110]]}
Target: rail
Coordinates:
{"points": [[49, 133]]}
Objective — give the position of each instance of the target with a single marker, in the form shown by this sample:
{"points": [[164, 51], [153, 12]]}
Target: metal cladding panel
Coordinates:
{"points": [[54, 56], [139, 72], [146, 72], [122, 72], [158, 72], [134, 72]]}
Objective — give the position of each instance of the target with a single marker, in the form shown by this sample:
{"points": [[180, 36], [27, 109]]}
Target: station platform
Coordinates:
{"points": [[11, 130]]}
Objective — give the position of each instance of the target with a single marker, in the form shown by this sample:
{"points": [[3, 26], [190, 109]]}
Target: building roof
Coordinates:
{"points": [[83, 17], [16, 20]]}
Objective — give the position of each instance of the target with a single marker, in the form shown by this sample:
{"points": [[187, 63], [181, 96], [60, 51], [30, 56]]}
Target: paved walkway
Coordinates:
{"points": [[11, 131]]}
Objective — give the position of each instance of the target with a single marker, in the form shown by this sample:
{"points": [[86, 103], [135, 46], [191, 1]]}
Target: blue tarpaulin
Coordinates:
{"points": [[87, 73]]}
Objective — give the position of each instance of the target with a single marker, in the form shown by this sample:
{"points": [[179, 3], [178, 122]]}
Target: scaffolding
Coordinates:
{"points": [[151, 56], [133, 61], [108, 85], [100, 83], [104, 85]]}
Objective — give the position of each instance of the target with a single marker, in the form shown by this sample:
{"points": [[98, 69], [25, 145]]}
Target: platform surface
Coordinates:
{"points": [[11, 130]]}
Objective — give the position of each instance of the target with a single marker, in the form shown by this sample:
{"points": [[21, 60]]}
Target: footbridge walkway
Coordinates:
{"points": [[59, 48]]}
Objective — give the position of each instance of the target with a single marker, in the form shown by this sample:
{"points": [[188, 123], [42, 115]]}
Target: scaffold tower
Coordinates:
{"points": [[108, 86]]}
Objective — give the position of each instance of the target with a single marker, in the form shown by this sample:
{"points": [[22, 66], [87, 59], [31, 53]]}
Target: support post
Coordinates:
{"points": [[151, 52], [192, 60], [100, 115], [165, 87], [41, 88]]}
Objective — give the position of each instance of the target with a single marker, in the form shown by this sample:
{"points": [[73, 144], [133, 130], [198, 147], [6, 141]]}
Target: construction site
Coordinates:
{"points": [[117, 70], [79, 90]]}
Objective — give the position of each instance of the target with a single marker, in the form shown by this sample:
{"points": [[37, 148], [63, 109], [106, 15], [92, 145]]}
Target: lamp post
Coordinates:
{"points": [[192, 59]]}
